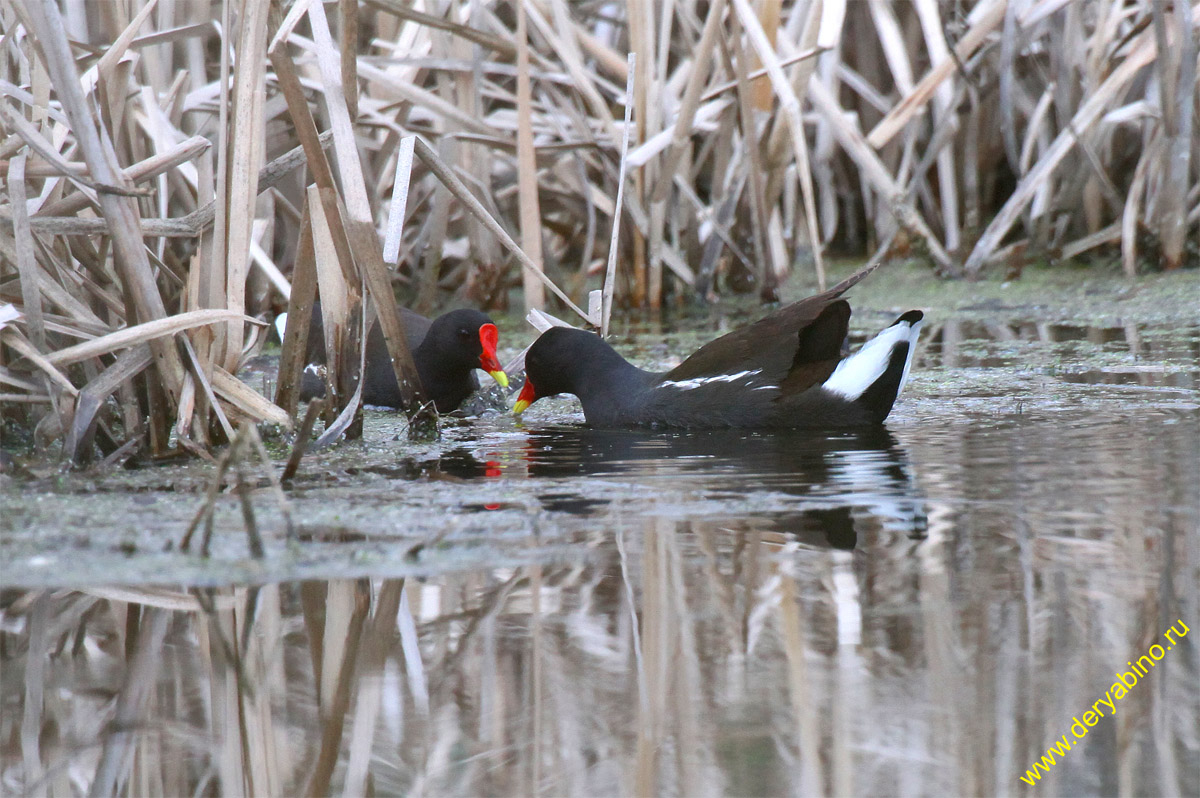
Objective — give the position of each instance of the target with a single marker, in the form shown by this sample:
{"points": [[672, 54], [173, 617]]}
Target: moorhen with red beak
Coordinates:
{"points": [[446, 352], [785, 370]]}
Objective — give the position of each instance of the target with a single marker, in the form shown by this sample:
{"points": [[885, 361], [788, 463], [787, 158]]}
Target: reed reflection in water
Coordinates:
{"points": [[974, 608]]}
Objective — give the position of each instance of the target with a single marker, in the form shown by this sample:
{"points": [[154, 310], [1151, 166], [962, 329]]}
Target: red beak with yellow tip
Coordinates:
{"points": [[528, 396], [488, 337]]}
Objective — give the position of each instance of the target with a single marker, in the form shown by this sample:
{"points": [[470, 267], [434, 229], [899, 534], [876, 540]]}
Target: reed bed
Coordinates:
{"points": [[175, 173]]}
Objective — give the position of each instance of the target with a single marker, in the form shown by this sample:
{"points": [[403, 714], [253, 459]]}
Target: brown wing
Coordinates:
{"points": [[790, 339], [820, 349]]}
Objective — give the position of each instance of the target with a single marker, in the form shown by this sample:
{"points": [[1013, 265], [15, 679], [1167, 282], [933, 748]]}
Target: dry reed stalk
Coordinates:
{"points": [[360, 230], [791, 108], [482, 38], [264, 460], [464, 195], [174, 154], [22, 346], [26, 266], [933, 30], [315, 408], [77, 444], [610, 272], [1177, 69], [749, 124], [333, 263], [352, 410], [527, 181], [121, 214], [198, 375], [395, 226], [141, 333], [1143, 53], [293, 354], [336, 272], [987, 15], [875, 172], [246, 143], [689, 103], [241, 398]]}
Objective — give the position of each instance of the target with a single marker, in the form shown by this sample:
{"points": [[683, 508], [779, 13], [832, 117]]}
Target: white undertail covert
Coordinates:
{"points": [[854, 375]]}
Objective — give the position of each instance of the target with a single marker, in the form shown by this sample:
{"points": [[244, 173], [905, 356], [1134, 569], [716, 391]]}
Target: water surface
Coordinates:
{"points": [[537, 608]]}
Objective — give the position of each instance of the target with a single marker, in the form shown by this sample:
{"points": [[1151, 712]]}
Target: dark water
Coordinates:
{"points": [[543, 609]]}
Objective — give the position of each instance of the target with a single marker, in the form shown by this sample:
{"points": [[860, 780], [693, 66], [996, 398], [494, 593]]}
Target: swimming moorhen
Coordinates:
{"points": [[785, 370], [446, 351]]}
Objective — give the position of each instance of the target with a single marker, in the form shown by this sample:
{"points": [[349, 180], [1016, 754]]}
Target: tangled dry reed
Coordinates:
{"points": [[176, 171]]}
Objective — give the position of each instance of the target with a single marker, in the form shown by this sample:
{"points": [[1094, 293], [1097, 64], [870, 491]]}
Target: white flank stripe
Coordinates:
{"points": [[857, 373], [687, 385]]}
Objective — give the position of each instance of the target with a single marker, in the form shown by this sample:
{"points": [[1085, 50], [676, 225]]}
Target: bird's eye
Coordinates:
{"points": [[464, 333]]}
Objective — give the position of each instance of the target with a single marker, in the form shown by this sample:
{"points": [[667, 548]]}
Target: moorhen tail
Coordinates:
{"points": [[785, 370], [446, 351]]}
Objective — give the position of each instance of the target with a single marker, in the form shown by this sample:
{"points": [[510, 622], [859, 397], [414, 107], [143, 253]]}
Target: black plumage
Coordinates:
{"points": [[446, 351], [775, 372]]}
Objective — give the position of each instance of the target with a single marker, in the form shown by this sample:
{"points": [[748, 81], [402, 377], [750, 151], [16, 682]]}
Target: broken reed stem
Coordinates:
{"points": [[395, 225], [243, 491], [121, 453], [281, 499], [247, 436], [315, 409], [205, 510], [354, 405], [610, 272]]}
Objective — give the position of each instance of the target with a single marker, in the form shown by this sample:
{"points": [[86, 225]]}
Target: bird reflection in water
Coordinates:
{"points": [[823, 489]]}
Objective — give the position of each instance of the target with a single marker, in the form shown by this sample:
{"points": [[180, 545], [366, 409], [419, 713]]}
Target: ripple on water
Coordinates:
{"points": [[684, 612]]}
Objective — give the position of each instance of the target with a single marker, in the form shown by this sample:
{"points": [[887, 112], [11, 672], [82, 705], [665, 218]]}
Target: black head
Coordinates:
{"points": [[465, 339], [560, 361]]}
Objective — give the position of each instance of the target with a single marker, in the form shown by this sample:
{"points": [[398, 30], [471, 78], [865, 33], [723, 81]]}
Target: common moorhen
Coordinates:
{"points": [[785, 370], [446, 351]]}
